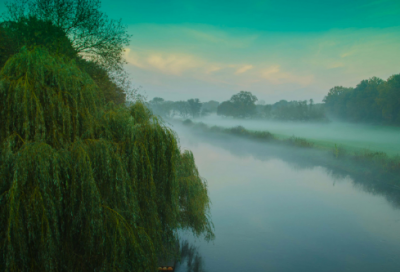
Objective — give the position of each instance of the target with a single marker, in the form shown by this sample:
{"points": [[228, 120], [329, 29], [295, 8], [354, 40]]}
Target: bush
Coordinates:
{"points": [[300, 142]]}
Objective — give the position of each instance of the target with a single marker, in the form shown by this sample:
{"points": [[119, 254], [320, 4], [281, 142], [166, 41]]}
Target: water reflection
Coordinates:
{"points": [[190, 259]]}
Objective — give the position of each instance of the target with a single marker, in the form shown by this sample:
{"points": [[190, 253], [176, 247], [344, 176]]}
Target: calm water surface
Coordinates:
{"points": [[271, 215]]}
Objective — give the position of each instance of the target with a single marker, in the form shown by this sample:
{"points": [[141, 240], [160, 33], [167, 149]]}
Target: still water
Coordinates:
{"points": [[271, 214]]}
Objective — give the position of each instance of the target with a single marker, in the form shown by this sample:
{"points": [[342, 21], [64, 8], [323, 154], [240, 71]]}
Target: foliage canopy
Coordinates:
{"points": [[91, 32], [373, 100], [85, 186], [241, 104], [31, 32]]}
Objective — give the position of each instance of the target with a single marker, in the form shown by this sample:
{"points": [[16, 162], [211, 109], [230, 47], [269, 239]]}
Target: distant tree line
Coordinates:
{"points": [[293, 111], [191, 108], [243, 105], [373, 100]]}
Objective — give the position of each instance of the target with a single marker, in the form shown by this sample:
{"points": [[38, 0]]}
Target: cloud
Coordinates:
{"points": [[173, 64], [191, 66], [346, 54], [212, 69], [132, 58], [275, 75], [243, 69], [181, 64]]}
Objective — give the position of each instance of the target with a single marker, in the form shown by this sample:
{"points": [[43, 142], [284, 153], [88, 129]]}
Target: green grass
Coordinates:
{"points": [[354, 137], [379, 159], [350, 146]]}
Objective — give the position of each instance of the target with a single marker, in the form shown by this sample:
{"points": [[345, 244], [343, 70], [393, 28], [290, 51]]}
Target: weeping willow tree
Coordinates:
{"points": [[86, 186]]}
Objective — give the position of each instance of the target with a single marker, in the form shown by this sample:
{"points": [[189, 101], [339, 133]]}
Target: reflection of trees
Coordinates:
{"points": [[366, 174], [190, 259]]}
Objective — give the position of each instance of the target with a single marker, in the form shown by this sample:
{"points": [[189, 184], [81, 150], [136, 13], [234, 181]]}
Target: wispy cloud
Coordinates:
{"points": [[174, 64], [243, 69], [275, 75], [181, 64], [347, 54], [196, 67]]}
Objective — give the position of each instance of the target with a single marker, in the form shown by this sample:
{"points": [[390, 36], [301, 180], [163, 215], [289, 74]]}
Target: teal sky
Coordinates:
{"points": [[286, 49], [275, 16]]}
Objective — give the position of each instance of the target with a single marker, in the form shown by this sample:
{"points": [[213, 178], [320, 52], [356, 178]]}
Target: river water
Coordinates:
{"points": [[273, 213]]}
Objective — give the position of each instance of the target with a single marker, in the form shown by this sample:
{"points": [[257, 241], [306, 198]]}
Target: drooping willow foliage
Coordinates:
{"points": [[86, 186]]}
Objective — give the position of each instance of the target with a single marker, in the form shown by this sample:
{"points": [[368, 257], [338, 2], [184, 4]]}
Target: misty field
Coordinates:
{"points": [[325, 135]]}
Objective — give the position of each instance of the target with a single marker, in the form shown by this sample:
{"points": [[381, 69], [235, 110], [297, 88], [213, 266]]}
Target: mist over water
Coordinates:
{"points": [[274, 210], [350, 135]]}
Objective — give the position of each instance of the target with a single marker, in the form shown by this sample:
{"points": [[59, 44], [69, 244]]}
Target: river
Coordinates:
{"points": [[274, 211]]}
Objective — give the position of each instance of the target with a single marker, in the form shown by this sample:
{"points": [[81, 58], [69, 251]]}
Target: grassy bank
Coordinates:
{"points": [[352, 136], [375, 171]]}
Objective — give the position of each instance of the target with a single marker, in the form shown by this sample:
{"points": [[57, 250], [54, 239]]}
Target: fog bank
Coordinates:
{"points": [[352, 136]]}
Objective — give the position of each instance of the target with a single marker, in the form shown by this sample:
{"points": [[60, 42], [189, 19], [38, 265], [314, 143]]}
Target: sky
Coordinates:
{"points": [[287, 49]]}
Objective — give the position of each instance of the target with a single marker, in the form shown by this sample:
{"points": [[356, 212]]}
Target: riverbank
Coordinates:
{"points": [[351, 136], [375, 171]]}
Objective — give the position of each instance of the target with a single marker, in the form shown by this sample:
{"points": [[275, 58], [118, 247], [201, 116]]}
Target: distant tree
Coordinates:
{"points": [[295, 111], [161, 107], [281, 103], [336, 101], [158, 100], [244, 103], [194, 107], [210, 106], [389, 99], [241, 104], [267, 109], [182, 108], [226, 108], [205, 112], [361, 105]]}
